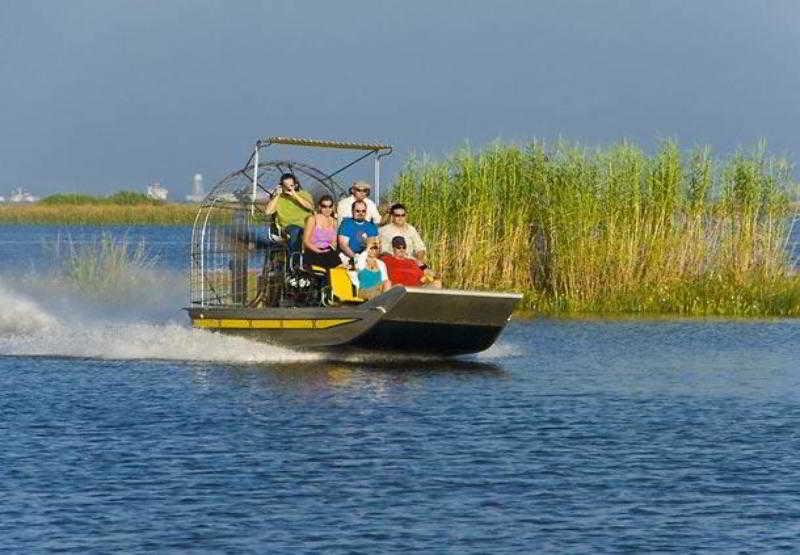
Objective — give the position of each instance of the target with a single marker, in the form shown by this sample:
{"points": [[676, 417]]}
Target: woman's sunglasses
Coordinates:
{"points": [[326, 206]]}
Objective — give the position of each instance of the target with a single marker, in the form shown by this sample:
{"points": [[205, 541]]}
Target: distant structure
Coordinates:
{"points": [[20, 195], [156, 192], [2, 199], [198, 191]]}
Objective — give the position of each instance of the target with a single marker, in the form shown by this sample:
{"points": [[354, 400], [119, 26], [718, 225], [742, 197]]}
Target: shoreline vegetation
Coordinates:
{"points": [[122, 208], [579, 231], [611, 231]]}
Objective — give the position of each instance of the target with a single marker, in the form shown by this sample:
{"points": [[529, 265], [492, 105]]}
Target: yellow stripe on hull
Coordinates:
{"points": [[230, 323]]}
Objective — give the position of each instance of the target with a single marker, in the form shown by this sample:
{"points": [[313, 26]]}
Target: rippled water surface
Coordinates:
{"points": [[124, 430]]}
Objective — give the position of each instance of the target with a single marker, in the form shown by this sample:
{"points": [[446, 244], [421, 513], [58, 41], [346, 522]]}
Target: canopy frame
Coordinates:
{"points": [[377, 150]]}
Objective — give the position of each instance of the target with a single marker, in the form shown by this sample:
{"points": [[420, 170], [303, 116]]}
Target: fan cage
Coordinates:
{"points": [[238, 257]]}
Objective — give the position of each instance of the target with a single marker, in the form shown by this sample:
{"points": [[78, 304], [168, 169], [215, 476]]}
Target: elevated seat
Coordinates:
{"points": [[342, 287]]}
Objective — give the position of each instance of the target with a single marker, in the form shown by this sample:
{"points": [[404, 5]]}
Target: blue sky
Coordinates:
{"points": [[102, 95]]}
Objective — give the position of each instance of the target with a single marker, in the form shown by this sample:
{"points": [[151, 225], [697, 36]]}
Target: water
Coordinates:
{"points": [[124, 430]]}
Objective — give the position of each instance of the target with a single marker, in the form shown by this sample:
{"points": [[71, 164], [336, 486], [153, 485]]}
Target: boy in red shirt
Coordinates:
{"points": [[403, 269]]}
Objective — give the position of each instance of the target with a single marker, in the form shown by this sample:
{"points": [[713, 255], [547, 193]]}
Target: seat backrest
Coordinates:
{"points": [[342, 287]]}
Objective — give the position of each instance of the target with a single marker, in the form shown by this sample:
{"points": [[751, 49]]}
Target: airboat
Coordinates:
{"points": [[243, 280]]}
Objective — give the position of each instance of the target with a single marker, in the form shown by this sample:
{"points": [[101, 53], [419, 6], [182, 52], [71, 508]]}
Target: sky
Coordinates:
{"points": [[102, 95]]}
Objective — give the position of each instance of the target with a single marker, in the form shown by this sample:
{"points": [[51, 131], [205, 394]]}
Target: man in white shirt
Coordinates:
{"points": [[399, 227], [360, 191]]}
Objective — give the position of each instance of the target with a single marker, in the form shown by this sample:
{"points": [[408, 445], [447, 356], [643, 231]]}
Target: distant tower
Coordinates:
{"points": [[198, 191]]}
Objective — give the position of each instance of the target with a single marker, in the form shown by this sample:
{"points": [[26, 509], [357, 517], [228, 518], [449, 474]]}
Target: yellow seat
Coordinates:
{"points": [[342, 287]]}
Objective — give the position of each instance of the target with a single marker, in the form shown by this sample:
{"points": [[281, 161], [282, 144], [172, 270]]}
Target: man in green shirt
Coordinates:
{"points": [[293, 206]]}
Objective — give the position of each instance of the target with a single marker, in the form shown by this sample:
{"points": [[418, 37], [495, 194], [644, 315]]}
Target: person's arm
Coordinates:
{"points": [[361, 260], [308, 231], [272, 205], [385, 284], [344, 247], [374, 213], [419, 246], [386, 241], [303, 199]]}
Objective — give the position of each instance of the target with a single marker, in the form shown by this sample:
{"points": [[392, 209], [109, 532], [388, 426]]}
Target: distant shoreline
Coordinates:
{"points": [[93, 214], [117, 214]]}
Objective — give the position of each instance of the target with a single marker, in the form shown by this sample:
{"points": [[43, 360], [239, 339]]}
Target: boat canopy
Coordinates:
{"points": [[323, 143], [377, 150]]}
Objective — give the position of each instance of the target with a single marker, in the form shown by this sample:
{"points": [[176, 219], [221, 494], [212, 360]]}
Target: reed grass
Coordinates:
{"points": [[98, 214], [610, 230], [120, 197], [105, 268]]}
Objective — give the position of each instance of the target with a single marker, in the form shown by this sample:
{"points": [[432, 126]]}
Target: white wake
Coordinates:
{"points": [[46, 316], [54, 321]]}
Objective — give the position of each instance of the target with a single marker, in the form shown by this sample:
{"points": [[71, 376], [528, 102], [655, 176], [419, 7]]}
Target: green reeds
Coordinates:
{"points": [[103, 263], [611, 230], [120, 197], [104, 267]]}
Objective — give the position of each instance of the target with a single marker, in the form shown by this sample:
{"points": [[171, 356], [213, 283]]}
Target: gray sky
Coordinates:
{"points": [[101, 95]]}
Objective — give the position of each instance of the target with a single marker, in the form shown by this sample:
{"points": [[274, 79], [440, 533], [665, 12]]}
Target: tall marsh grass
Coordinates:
{"points": [[104, 267], [610, 230], [120, 197]]}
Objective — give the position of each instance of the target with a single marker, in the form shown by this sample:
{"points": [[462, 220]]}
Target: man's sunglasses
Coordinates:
{"points": [[362, 190], [362, 211], [396, 215], [326, 206]]}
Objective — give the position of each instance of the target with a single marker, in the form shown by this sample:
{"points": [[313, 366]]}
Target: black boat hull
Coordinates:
{"points": [[405, 320]]}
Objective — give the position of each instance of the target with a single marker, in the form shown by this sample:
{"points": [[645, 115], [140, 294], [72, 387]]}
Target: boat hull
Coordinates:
{"points": [[407, 320]]}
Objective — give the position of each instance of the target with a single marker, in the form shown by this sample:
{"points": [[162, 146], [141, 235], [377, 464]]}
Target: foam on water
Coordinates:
{"points": [[20, 315], [54, 326], [501, 349], [45, 317]]}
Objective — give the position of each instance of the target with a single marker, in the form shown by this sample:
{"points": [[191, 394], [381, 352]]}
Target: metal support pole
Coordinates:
{"points": [[378, 156], [255, 179], [377, 180]]}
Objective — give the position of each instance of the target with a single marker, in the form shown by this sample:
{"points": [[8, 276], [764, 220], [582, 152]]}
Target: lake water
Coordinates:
{"points": [[124, 430]]}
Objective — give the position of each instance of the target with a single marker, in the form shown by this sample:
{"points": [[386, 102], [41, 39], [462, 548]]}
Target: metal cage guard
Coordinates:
{"points": [[232, 263]]}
